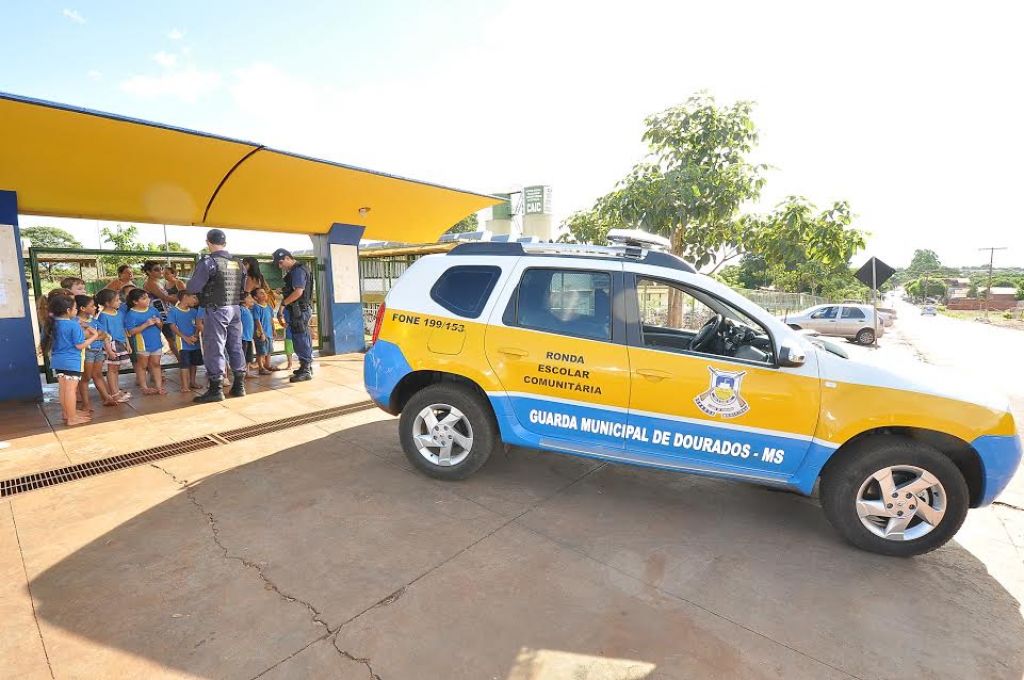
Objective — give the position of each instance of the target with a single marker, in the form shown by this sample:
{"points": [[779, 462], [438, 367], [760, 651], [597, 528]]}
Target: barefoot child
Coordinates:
{"points": [[183, 317], [264, 315], [248, 331], [143, 323], [94, 355], [66, 343], [115, 342]]}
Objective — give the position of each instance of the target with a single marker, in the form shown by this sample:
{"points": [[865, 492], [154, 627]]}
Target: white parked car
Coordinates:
{"points": [[851, 321]]}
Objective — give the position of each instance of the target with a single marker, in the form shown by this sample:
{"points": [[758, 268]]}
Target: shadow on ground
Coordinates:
{"points": [[334, 559]]}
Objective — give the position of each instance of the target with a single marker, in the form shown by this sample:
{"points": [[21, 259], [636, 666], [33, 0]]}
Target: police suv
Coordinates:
{"points": [[626, 354]]}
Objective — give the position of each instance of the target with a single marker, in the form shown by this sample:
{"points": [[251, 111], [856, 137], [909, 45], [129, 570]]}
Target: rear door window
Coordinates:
{"points": [[853, 313], [567, 302], [464, 290]]}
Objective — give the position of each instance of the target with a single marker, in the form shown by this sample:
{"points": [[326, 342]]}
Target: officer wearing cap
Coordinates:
{"points": [[219, 280], [296, 311]]}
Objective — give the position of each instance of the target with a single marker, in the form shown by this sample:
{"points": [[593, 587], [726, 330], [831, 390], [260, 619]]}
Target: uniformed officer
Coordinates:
{"points": [[296, 311], [219, 280]]}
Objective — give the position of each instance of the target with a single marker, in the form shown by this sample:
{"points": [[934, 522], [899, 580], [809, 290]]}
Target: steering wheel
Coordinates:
{"points": [[708, 331]]}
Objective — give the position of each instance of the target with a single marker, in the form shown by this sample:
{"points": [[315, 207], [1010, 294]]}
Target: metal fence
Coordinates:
{"points": [[778, 302]]}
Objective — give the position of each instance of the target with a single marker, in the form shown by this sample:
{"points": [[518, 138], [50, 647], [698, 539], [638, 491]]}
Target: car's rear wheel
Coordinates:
{"points": [[865, 336], [894, 496], [447, 431]]}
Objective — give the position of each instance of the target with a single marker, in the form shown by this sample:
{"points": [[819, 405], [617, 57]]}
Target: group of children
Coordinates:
{"points": [[83, 334]]}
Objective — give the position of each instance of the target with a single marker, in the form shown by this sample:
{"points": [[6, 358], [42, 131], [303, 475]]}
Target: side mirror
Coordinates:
{"points": [[791, 356]]}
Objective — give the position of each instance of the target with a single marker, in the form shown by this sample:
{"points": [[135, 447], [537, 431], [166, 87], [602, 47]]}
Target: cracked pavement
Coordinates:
{"points": [[319, 552]]}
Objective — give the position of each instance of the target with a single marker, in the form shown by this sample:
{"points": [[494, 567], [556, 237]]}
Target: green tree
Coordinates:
{"points": [[801, 249], [586, 226], [466, 224], [122, 237], [51, 237], [924, 260], [972, 291], [1004, 282], [693, 181], [927, 287], [1020, 290]]}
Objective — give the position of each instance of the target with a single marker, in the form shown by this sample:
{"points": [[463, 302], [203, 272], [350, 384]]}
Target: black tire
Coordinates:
{"points": [[476, 410], [842, 479], [865, 336]]}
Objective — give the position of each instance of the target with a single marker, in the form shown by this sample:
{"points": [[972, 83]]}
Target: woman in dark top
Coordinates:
{"points": [[254, 279]]}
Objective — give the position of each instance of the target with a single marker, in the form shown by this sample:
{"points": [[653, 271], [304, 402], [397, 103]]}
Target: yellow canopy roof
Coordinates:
{"points": [[70, 162]]}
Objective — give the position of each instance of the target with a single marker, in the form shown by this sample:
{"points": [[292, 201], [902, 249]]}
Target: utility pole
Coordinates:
{"points": [[988, 291]]}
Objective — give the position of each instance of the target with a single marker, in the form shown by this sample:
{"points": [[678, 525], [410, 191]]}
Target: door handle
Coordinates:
{"points": [[513, 351], [653, 374]]}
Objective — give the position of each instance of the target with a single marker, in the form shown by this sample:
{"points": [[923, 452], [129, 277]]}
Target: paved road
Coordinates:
{"points": [[980, 352]]}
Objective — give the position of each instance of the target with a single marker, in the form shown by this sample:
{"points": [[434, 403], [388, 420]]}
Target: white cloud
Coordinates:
{"points": [[73, 15], [188, 84], [93, 74], [165, 59], [175, 34]]}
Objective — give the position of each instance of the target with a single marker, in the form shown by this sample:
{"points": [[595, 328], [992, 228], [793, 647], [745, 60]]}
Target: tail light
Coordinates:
{"points": [[377, 322]]}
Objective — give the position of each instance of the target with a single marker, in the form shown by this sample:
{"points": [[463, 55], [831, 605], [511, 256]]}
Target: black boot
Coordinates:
{"points": [[303, 374], [214, 392], [237, 384]]}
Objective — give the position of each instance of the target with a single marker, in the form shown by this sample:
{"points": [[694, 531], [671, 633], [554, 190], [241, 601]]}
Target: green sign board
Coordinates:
{"points": [[537, 200]]}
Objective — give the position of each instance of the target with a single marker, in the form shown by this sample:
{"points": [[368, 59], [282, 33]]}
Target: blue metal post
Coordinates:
{"points": [[19, 370], [344, 297]]}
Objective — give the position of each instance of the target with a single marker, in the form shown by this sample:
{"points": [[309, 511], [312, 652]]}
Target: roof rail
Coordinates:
{"points": [[617, 252]]}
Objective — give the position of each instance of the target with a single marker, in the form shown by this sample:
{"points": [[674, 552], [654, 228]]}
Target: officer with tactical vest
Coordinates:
{"points": [[296, 310], [219, 280]]}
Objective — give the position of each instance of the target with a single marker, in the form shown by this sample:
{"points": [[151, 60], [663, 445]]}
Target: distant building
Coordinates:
{"points": [[526, 212]]}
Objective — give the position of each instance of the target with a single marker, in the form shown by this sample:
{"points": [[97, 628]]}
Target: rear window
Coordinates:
{"points": [[464, 290], [567, 302], [852, 313]]}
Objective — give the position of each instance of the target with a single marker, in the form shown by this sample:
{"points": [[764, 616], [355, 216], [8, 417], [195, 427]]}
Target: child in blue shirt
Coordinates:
{"points": [[93, 354], [110, 320], [184, 320], [264, 315], [248, 331], [143, 323], [66, 341]]}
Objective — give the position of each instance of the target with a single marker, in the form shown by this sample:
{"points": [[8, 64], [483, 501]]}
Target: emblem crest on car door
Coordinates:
{"points": [[722, 398]]}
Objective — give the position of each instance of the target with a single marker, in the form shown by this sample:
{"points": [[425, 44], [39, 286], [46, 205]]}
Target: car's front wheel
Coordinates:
{"points": [[894, 496], [447, 431]]}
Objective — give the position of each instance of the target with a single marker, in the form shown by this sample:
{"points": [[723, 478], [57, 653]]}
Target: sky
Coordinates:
{"points": [[909, 110]]}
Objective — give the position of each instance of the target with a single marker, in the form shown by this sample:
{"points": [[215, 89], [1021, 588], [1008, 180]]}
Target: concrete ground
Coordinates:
{"points": [[317, 552]]}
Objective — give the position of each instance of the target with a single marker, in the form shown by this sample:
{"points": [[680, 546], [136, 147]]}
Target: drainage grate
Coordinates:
{"points": [[293, 421], [39, 480]]}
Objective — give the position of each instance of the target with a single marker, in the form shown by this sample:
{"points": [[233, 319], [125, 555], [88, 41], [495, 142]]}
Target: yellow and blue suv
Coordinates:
{"points": [[625, 353]]}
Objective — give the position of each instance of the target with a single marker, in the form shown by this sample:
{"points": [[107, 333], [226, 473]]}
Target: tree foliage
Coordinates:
{"points": [[50, 237], [466, 224], [693, 181], [586, 226], [798, 248], [927, 287]]}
